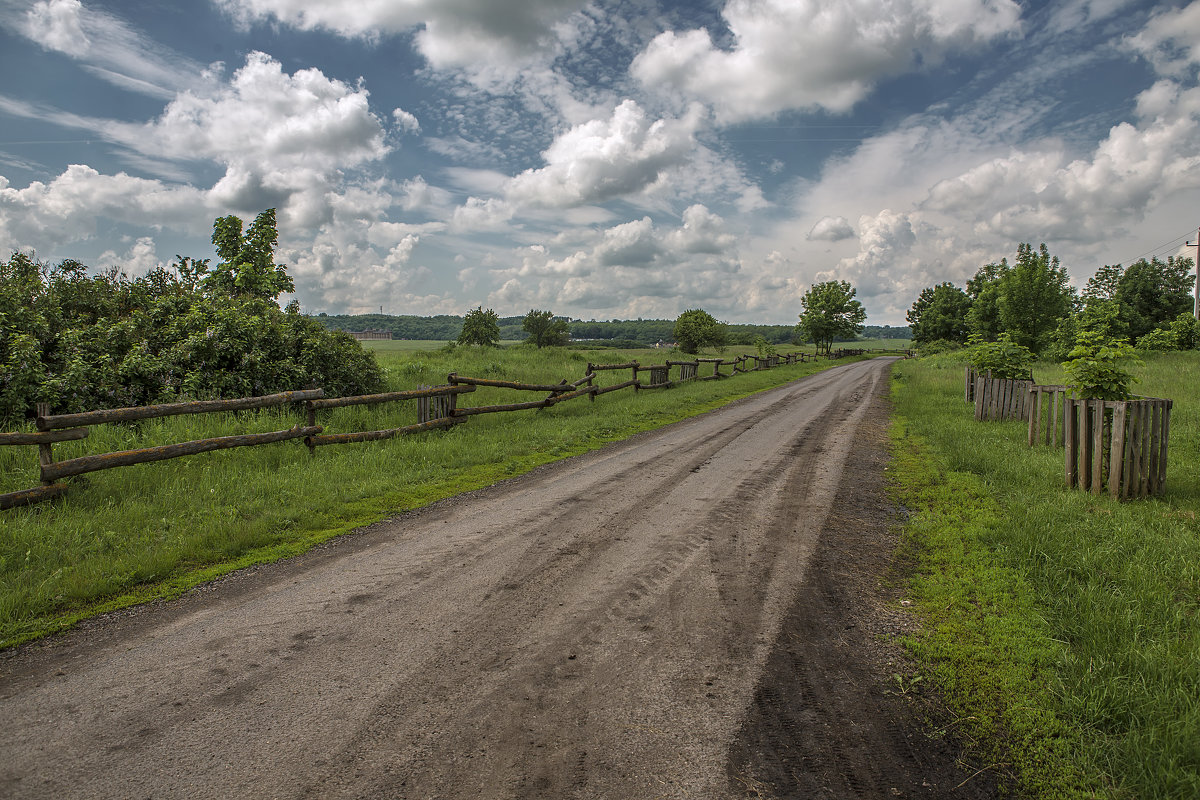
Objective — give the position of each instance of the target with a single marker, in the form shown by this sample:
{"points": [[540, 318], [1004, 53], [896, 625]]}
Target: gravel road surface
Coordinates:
{"points": [[598, 628]]}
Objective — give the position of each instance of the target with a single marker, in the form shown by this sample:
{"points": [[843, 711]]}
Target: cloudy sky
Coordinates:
{"points": [[605, 159]]}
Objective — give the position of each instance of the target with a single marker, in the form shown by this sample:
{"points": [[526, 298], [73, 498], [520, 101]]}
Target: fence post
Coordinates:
{"points": [[45, 454], [1068, 435], [1098, 417]]}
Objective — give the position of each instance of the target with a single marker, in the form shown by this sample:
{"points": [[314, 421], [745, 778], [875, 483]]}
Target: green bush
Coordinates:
{"points": [[81, 342], [1003, 358], [1096, 368], [1160, 339], [938, 346], [1186, 330]]}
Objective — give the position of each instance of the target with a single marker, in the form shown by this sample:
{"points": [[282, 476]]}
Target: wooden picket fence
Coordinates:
{"points": [[1118, 445], [437, 408], [1047, 414], [999, 399]]}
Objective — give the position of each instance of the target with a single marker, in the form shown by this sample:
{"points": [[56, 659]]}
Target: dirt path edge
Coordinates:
{"points": [[830, 717]]}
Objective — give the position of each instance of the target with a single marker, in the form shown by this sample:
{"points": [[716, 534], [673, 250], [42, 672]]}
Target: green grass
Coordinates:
{"points": [[126, 535], [1064, 628]]}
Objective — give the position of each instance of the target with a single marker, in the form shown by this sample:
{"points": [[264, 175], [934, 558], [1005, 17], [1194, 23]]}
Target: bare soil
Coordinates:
{"points": [[695, 612]]}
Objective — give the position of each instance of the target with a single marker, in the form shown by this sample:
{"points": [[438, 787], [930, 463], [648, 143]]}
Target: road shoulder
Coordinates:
{"points": [[837, 713]]}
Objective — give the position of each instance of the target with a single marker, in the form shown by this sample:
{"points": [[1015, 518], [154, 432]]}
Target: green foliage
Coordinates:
{"points": [[983, 318], [1097, 367], [1033, 296], [940, 312], [1150, 294], [1186, 330], [765, 349], [696, 328], [481, 327], [545, 330], [1003, 358], [830, 311], [1099, 316], [81, 342], [938, 346], [1159, 339], [247, 267]]}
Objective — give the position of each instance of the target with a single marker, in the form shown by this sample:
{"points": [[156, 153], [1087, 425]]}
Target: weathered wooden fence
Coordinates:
{"points": [[1118, 445], [68, 427], [1001, 398], [437, 407], [1047, 407]]}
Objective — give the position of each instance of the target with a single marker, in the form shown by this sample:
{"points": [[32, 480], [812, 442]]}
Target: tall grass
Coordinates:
{"points": [[125, 535], [1065, 626]]}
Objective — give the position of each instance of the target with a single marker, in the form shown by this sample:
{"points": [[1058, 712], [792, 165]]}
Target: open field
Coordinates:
{"points": [[127, 535], [1063, 627], [410, 345]]}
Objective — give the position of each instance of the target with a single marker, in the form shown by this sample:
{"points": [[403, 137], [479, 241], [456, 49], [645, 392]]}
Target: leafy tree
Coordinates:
{"points": [[984, 290], [940, 312], [1103, 285], [1150, 293], [247, 267], [1181, 334], [545, 330], [481, 327], [1034, 295], [1097, 367], [830, 311], [1153, 293], [765, 349], [696, 328]]}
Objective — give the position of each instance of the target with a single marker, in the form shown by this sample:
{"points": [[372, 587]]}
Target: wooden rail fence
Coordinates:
{"points": [[437, 408]]}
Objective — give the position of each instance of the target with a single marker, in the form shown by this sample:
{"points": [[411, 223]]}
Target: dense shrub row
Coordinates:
{"points": [[81, 341]]}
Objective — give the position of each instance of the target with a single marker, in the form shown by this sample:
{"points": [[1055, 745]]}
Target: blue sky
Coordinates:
{"points": [[608, 159]]}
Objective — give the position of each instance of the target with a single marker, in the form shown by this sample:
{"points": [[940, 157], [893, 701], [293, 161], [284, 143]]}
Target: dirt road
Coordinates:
{"points": [[599, 628]]}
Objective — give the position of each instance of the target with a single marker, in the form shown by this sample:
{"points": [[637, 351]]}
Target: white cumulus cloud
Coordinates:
{"points": [[831, 229], [449, 32], [605, 159], [807, 54]]}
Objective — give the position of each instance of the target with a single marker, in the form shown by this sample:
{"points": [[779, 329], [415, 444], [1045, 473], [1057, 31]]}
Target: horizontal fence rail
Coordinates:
{"points": [[145, 455], [46, 423], [437, 408]]}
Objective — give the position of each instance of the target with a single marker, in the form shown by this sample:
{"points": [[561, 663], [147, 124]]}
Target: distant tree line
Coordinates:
{"points": [[80, 341], [612, 333], [1031, 303]]}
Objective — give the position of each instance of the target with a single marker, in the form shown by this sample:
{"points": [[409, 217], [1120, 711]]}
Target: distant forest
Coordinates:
{"points": [[614, 333]]}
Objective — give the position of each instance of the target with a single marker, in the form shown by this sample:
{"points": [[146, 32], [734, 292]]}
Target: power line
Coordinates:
{"points": [[1159, 249]]}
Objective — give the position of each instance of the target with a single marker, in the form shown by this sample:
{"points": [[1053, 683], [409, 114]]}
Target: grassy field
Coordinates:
{"points": [[127, 535], [409, 345], [1063, 628]]}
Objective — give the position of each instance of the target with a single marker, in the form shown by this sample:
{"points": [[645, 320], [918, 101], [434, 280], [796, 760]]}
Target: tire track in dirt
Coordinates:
{"points": [[596, 628]]}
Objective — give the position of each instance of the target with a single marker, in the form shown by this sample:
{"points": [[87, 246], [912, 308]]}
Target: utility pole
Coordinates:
{"points": [[1196, 244]]}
